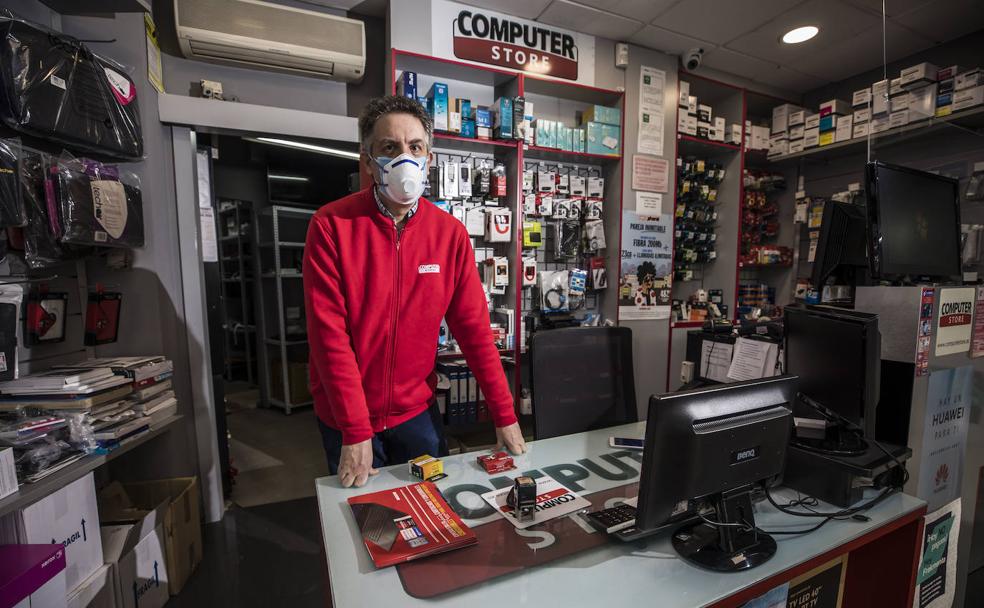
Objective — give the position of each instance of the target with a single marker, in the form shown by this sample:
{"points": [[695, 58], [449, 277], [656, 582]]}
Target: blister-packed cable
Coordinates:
{"points": [[53, 86]]}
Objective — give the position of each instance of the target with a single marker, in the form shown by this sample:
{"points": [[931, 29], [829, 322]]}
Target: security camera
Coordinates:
{"points": [[692, 59]]}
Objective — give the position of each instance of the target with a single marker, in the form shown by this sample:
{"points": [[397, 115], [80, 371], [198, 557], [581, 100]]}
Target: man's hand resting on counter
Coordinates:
{"points": [[510, 437], [355, 464]]}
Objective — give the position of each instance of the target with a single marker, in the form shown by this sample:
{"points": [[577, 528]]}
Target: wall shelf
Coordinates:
{"points": [[470, 144], [561, 156]]}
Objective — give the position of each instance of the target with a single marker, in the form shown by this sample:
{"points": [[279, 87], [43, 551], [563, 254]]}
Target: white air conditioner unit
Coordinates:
{"points": [[270, 36]]}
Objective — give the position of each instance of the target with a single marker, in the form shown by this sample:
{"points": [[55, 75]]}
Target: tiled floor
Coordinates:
{"points": [[268, 555]]}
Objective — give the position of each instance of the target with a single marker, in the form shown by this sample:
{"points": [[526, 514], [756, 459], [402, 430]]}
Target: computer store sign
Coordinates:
{"points": [[955, 322], [475, 35]]}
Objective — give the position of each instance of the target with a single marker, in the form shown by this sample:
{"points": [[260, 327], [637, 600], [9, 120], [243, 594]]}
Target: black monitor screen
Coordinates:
{"points": [[829, 356], [915, 222]]}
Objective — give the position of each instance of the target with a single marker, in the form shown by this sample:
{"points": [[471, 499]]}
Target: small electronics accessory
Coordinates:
{"points": [[102, 317], [522, 497], [45, 317], [626, 443], [496, 463], [612, 520], [427, 467]]}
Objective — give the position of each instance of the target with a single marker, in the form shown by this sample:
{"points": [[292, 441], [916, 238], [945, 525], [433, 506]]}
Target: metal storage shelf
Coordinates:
{"points": [[30, 493], [235, 302]]}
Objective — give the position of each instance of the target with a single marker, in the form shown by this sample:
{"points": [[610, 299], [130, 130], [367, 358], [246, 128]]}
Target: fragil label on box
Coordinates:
{"points": [[955, 319], [473, 34]]}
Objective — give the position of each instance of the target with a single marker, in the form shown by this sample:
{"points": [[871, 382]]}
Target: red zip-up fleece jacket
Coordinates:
{"points": [[374, 300]]}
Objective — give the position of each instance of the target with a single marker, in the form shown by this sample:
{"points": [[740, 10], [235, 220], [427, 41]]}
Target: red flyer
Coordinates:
{"points": [[408, 523], [977, 342]]}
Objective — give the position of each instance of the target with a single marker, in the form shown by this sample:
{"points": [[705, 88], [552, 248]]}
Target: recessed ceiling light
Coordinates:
{"points": [[800, 34]]}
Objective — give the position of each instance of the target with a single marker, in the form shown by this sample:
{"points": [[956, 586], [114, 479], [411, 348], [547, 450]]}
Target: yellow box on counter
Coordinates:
{"points": [[427, 467]]}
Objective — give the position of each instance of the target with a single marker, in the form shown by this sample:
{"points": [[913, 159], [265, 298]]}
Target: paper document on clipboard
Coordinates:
{"points": [[753, 359], [715, 360]]}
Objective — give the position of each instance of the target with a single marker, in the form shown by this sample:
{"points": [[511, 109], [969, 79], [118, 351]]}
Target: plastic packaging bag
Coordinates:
{"points": [[98, 204], [41, 248], [54, 86], [12, 211], [555, 288], [82, 437]]}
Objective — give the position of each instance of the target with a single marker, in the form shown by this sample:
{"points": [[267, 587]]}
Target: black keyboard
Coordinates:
{"points": [[614, 519]]}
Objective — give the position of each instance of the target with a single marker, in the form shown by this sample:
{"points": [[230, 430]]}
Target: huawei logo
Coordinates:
{"points": [[942, 474]]}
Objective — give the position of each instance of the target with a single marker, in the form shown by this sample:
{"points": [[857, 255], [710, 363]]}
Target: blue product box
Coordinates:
{"points": [[407, 86], [483, 117], [828, 122], [468, 128], [944, 100], [603, 114], [437, 105], [553, 137], [504, 117], [603, 139], [566, 137]]}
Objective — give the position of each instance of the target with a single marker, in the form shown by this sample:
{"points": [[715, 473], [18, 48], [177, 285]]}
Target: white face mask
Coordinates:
{"points": [[401, 179]]}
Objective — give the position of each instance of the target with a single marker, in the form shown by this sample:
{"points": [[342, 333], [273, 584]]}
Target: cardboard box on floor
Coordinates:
{"points": [[67, 516], [137, 562], [182, 523], [298, 381], [97, 591], [133, 545]]}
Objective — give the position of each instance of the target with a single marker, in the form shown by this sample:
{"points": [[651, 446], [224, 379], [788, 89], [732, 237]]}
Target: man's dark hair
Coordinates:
{"points": [[392, 104]]}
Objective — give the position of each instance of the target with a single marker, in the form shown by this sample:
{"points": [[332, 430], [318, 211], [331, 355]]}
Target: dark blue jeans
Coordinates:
{"points": [[422, 434]]}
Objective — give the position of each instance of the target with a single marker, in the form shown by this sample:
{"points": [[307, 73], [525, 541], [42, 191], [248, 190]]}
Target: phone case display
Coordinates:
{"points": [[45, 317], [98, 204], [695, 218], [54, 86], [12, 211], [759, 221], [102, 317]]}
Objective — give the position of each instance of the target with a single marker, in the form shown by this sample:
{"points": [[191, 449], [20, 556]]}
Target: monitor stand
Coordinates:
{"points": [[726, 548], [837, 441]]}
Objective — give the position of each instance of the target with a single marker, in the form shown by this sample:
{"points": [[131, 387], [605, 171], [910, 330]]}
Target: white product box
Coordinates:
{"points": [[687, 124], [720, 124], [796, 118], [879, 124], [971, 78], [844, 125], [778, 144], [879, 98], [795, 145], [692, 105], [140, 570], [681, 121], [898, 119], [796, 132], [704, 112], [498, 225], [760, 138], [716, 134], [734, 135], [8, 472], [684, 94], [811, 138], [922, 102], [812, 121], [70, 517], [780, 116], [948, 72], [862, 115], [968, 98], [918, 74], [97, 591], [835, 106], [899, 102], [860, 130], [895, 86], [861, 97]]}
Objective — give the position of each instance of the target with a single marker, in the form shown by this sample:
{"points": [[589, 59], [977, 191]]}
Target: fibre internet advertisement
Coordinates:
{"points": [[476, 35]]}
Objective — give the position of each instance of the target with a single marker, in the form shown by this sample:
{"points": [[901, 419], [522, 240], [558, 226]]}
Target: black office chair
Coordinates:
{"points": [[582, 379]]}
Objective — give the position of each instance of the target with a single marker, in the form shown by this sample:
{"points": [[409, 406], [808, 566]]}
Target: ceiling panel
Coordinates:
{"points": [[862, 53], [562, 13], [718, 22], [792, 80], [641, 10], [729, 61], [941, 20], [837, 20], [666, 41], [527, 9], [893, 8]]}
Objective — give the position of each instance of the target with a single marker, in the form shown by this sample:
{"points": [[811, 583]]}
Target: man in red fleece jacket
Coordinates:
{"points": [[382, 267]]}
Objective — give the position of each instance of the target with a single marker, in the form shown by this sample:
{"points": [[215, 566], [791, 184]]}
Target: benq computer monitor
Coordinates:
{"points": [[714, 446]]}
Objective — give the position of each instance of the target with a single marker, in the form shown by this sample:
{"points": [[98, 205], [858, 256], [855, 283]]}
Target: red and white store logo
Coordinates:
{"points": [[513, 44], [956, 313]]}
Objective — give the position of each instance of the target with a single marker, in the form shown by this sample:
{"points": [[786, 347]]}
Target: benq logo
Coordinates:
{"points": [[740, 456]]}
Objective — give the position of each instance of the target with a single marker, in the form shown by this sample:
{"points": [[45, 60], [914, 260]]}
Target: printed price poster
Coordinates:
{"points": [[955, 320], [977, 342], [652, 86], [948, 402], [937, 574], [644, 287], [650, 174]]}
